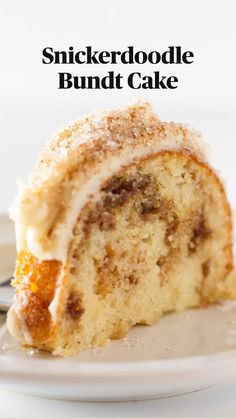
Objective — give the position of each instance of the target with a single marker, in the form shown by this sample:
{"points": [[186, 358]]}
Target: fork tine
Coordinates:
{"points": [[4, 307], [6, 281]]}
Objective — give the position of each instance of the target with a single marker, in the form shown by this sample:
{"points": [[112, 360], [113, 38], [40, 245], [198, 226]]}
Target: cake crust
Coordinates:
{"points": [[85, 154]]}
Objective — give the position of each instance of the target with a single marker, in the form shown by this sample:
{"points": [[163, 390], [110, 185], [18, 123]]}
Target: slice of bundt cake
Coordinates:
{"points": [[122, 220]]}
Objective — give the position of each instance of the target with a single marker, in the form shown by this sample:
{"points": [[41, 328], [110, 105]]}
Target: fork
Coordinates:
{"points": [[6, 281], [4, 307]]}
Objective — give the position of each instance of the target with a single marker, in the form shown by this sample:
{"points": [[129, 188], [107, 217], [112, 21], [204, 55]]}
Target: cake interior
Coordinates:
{"points": [[157, 240]]}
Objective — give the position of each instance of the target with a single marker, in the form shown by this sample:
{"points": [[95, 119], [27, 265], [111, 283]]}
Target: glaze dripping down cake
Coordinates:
{"points": [[121, 221]]}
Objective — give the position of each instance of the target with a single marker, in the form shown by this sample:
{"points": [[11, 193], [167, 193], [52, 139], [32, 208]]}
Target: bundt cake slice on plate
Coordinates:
{"points": [[122, 220]]}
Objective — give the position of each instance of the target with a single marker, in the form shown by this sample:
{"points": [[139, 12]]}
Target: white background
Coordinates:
{"points": [[31, 108]]}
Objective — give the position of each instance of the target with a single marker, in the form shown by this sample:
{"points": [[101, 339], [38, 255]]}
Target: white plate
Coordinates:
{"points": [[183, 353]]}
